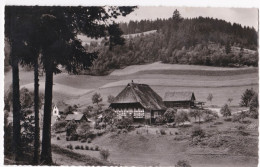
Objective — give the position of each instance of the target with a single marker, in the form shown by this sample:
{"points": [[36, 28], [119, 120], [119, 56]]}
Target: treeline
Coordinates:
{"points": [[199, 41]]}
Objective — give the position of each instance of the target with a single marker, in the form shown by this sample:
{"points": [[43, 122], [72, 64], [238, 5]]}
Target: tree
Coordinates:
{"points": [[230, 100], [96, 98], [246, 97], [110, 99], [169, 114], [228, 48], [109, 116], [225, 111], [60, 46], [253, 106], [181, 117], [210, 97]]}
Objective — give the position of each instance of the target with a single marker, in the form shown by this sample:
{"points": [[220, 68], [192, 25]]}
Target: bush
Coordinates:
{"points": [[97, 148], [124, 131], [88, 140], [83, 141], [228, 119], [58, 138], [218, 123], [59, 125], [197, 131], [86, 148], [82, 147], [104, 154], [119, 131], [77, 147], [67, 138], [162, 131], [70, 146], [91, 148], [183, 163]]}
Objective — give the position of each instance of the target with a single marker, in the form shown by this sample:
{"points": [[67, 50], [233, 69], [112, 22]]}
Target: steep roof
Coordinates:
{"points": [[76, 117], [140, 93], [178, 96]]}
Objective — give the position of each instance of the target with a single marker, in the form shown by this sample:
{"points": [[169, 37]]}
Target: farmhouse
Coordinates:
{"points": [[179, 99], [78, 118], [139, 101]]}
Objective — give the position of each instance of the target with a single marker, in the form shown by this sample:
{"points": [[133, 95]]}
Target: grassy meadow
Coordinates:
{"points": [[222, 82]]}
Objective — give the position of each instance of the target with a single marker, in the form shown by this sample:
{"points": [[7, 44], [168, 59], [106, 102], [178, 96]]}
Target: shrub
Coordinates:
{"points": [[183, 163], [89, 140], [77, 147], [218, 123], [228, 119], [67, 138], [82, 147], [83, 141], [104, 154], [97, 148], [125, 123], [124, 131], [176, 133], [119, 131], [58, 138], [162, 131], [86, 148], [197, 131], [70, 146], [91, 148], [59, 125]]}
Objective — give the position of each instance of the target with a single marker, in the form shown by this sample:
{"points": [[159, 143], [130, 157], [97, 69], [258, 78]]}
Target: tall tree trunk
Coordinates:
{"points": [[46, 156], [16, 109], [36, 112]]}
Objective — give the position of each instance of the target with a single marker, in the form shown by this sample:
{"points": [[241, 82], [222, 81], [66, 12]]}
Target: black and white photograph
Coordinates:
{"points": [[130, 86]]}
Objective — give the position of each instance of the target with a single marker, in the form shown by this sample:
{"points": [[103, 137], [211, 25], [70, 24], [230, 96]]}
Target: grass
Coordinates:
{"points": [[223, 83], [88, 161]]}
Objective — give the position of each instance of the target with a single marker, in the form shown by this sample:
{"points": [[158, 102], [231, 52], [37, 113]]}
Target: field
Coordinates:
{"points": [[223, 83], [146, 146], [151, 149]]}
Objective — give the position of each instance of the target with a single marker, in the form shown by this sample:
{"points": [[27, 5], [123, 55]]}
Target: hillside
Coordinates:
{"points": [[223, 83]]}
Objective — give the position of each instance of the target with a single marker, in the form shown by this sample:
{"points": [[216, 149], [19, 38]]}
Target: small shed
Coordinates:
{"points": [[179, 99], [78, 118]]}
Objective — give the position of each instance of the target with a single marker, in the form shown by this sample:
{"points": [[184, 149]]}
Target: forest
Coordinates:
{"points": [[177, 40]]}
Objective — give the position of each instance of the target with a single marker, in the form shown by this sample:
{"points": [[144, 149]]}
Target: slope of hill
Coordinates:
{"points": [[223, 83]]}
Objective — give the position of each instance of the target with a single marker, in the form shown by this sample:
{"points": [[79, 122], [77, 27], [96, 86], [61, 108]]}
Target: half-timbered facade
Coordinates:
{"points": [[139, 101]]}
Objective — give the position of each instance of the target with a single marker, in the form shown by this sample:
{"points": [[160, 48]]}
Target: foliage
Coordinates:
{"points": [[124, 123], [253, 106], [8, 129], [59, 125], [71, 128], [70, 147], [183, 163], [210, 97], [70, 110], [110, 98], [104, 154], [162, 131], [197, 131], [27, 133], [181, 117], [246, 97], [83, 128], [96, 98], [161, 119], [170, 114], [109, 116], [225, 110], [210, 116], [196, 113]]}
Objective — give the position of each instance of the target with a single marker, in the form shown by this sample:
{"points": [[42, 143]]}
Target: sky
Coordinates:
{"points": [[243, 16]]}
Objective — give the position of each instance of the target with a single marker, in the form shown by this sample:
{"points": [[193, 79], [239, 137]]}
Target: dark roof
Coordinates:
{"points": [[140, 93], [76, 117], [178, 96]]}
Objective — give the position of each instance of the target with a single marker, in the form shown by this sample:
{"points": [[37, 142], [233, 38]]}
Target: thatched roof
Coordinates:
{"points": [[178, 96], [76, 117], [139, 93]]}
